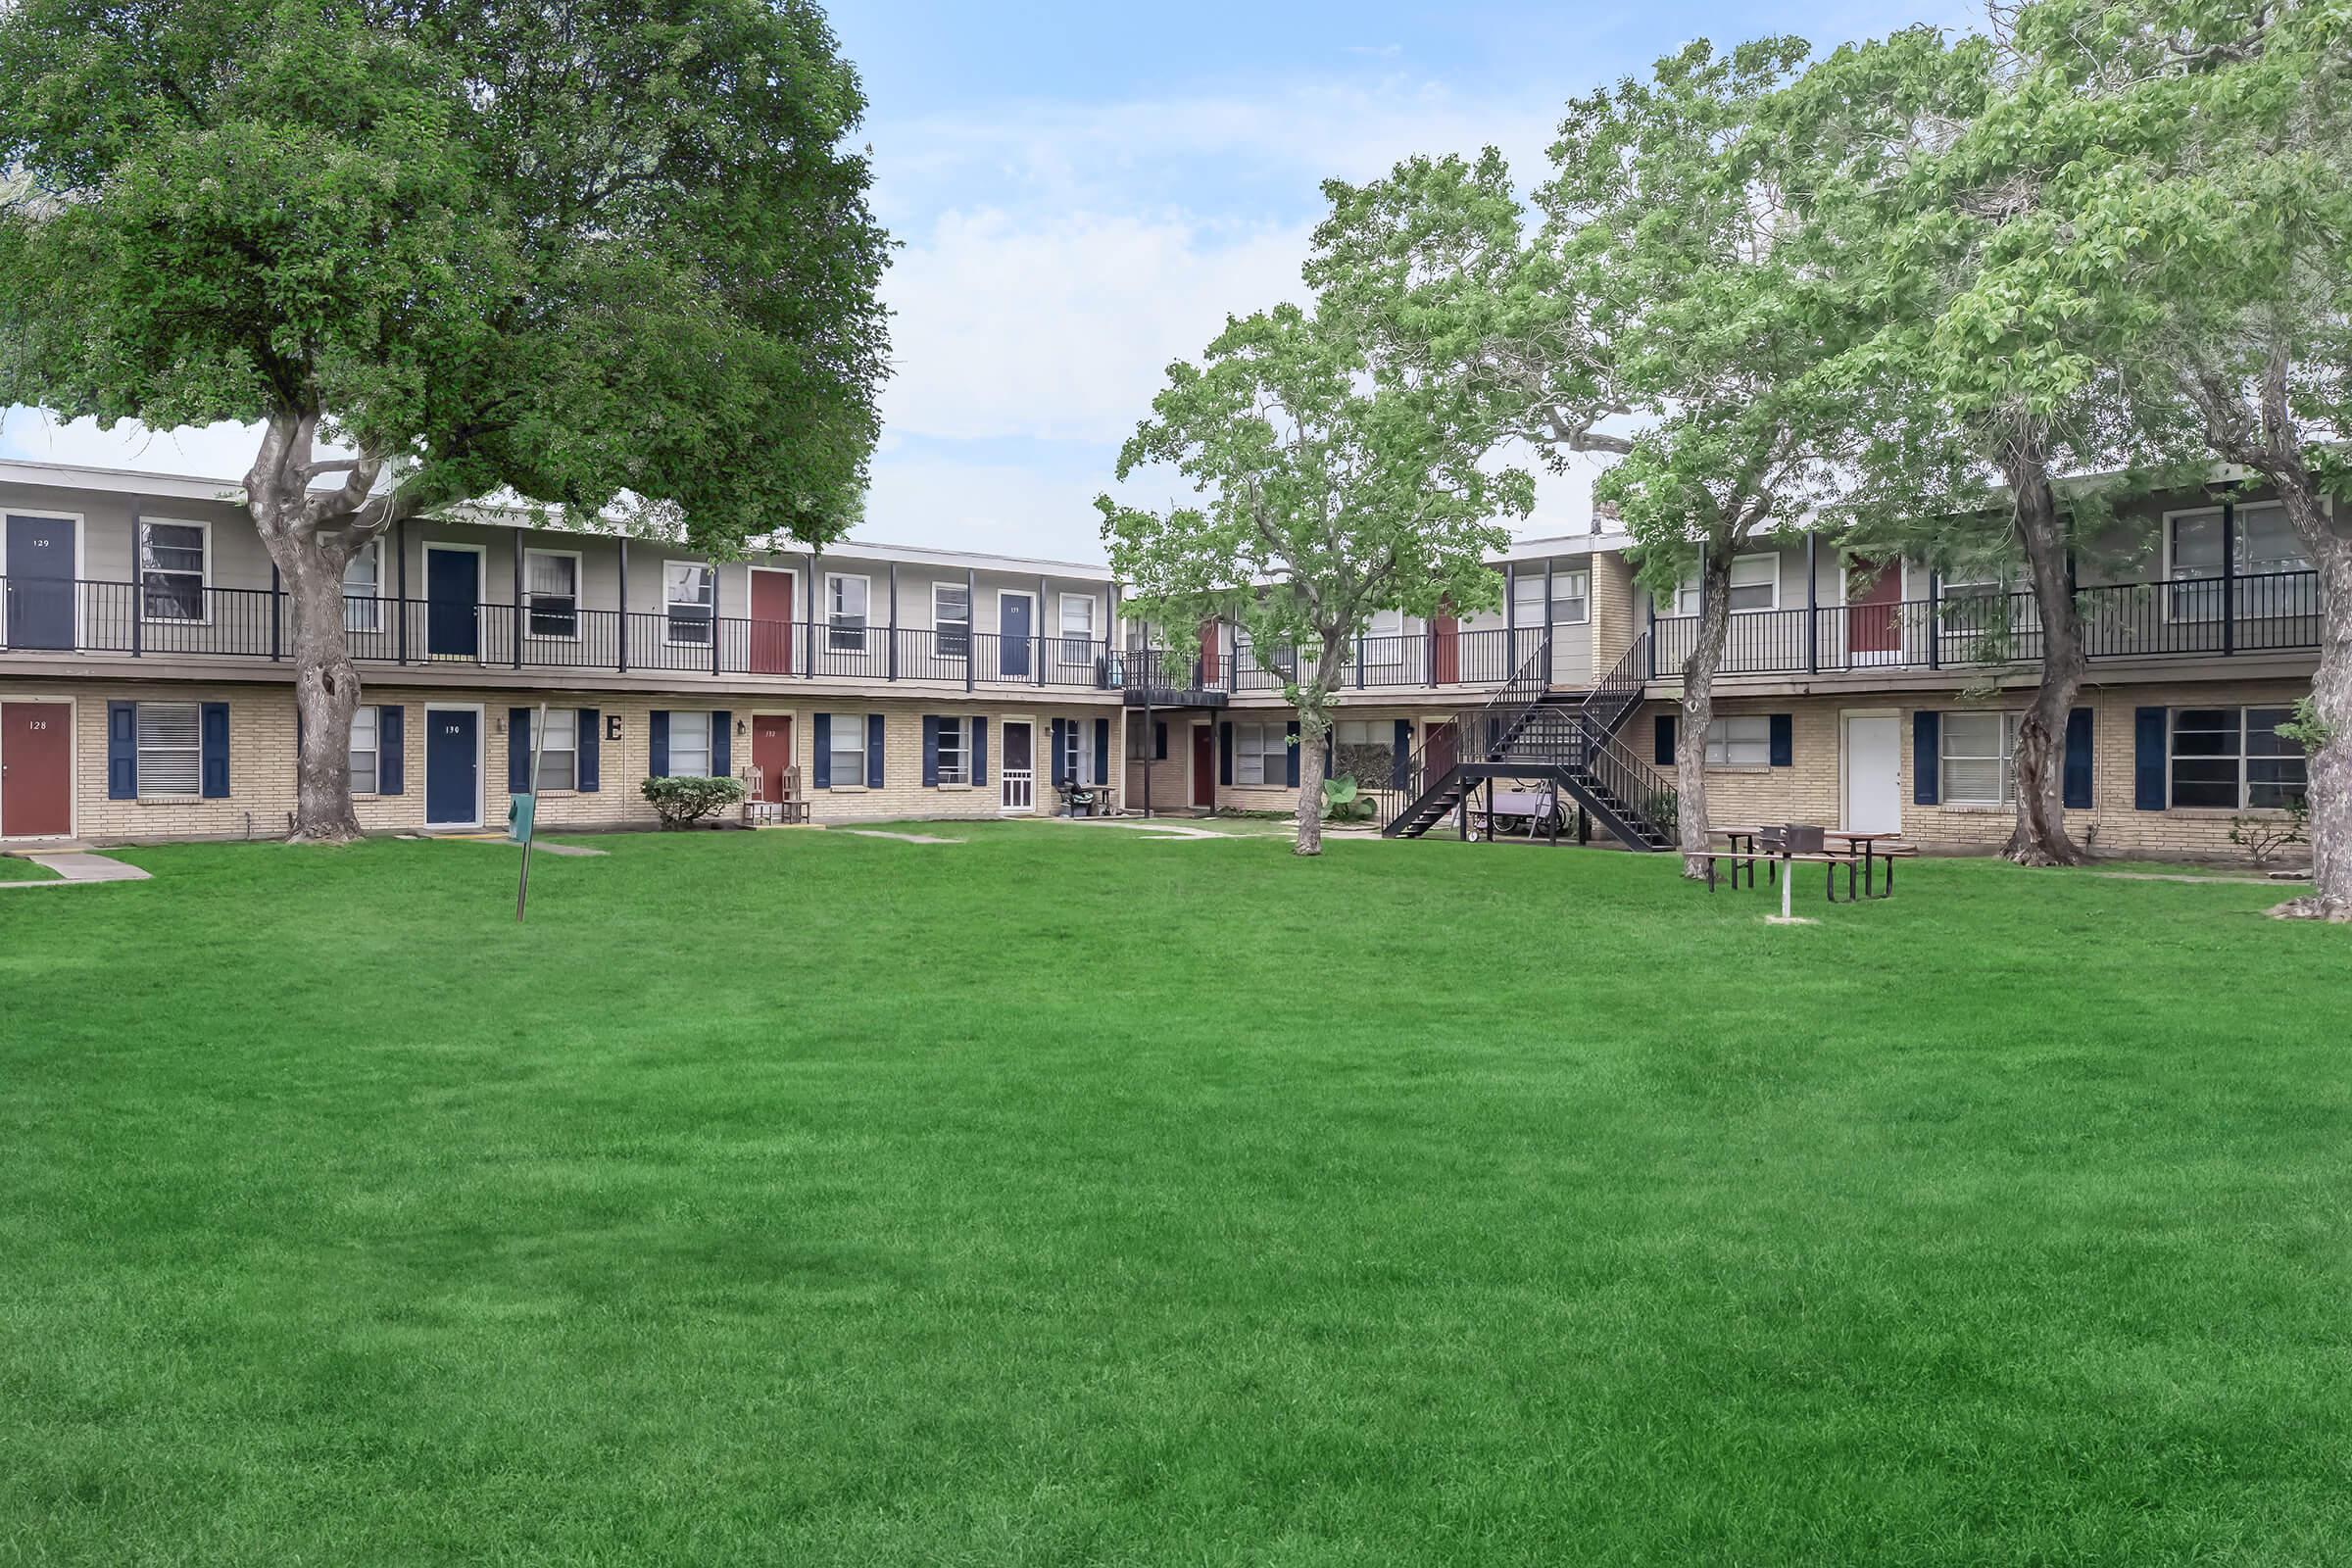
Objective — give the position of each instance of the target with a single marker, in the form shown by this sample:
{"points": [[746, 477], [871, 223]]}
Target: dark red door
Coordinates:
{"points": [[1446, 640], [1438, 757], [1204, 765], [36, 771], [771, 752], [1209, 652], [772, 626], [1873, 616]]}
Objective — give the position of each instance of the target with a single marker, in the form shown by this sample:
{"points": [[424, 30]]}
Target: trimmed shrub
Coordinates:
{"points": [[683, 802]]}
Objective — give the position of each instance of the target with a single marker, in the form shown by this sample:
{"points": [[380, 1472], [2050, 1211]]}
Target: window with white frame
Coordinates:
{"points": [[1982, 601], [1261, 753], [552, 588], [847, 748], [2234, 758], [689, 744], [1755, 586], [951, 618], [1077, 758], [1367, 749], [846, 604], [2262, 545], [170, 751], [364, 752], [172, 568], [560, 748], [1739, 740], [1980, 758], [954, 750], [690, 598], [363, 589], [1571, 595], [1077, 628]]}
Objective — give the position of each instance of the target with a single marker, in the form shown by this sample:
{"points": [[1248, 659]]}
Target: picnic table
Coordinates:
{"points": [[1860, 853]]}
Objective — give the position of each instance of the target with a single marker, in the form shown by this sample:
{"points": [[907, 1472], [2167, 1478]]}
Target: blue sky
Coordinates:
{"points": [[1082, 192]]}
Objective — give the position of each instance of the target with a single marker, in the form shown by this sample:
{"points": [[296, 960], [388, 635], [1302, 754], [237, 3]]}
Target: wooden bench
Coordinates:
{"points": [[1797, 845]]}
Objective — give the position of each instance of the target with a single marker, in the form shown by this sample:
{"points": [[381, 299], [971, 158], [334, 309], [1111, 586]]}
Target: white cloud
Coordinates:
{"points": [[1060, 329]]}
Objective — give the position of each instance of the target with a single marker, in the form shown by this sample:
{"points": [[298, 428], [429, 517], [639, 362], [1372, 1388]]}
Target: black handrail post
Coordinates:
{"points": [[719, 624], [1038, 631], [817, 593], [2228, 575], [1934, 620], [971, 630], [892, 671], [1360, 661], [139, 610], [276, 592], [1548, 668], [624, 660]]}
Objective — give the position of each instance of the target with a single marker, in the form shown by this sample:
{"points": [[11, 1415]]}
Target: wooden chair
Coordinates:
{"points": [[792, 806]]}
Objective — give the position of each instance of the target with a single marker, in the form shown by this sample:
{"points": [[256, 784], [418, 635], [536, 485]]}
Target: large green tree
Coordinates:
{"points": [[611, 257], [1655, 281], [1329, 483], [2238, 233]]}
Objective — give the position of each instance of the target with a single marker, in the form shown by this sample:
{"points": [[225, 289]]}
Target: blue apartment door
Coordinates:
{"points": [[453, 767], [40, 582], [1013, 626], [453, 590]]}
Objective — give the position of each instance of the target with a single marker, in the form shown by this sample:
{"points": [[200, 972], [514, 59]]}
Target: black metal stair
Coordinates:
{"points": [[1524, 734]]}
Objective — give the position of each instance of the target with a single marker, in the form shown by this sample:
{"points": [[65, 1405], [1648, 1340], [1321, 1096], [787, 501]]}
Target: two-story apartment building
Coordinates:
{"points": [[146, 680]]}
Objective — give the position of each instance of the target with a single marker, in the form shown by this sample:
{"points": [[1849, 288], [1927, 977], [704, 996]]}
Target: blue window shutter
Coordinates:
{"points": [[979, 750], [930, 750], [1053, 750], [873, 750], [590, 751], [391, 760], [212, 733], [2148, 732], [2078, 760], [1160, 740], [1404, 751], [121, 750], [518, 751], [722, 744], [1926, 758], [823, 769], [656, 744], [1102, 750], [1225, 753], [1783, 740], [1290, 754], [1662, 748]]}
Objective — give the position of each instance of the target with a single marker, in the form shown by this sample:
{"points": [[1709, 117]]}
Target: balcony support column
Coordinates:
{"points": [[622, 660], [971, 625], [400, 579], [816, 596], [1813, 602], [2228, 575], [1935, 618], [277, 598], [1040, 630], [517, 616], [892, 666], [1548, 652]]}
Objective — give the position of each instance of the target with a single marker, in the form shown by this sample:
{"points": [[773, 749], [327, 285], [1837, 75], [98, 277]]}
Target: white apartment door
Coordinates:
{"points": [[1874, 792]]}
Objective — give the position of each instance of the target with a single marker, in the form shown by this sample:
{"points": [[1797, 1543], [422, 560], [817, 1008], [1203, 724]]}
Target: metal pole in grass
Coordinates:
{"points": [[527, 812]]}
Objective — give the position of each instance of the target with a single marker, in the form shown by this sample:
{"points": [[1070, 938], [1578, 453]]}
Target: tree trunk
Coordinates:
{"points": [[1314, 723], [1699, 707], [2329, 763], [311, 553], [2041, 837]]}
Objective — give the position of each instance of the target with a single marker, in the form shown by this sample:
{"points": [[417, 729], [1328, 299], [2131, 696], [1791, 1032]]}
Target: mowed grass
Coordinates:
{"points": [[16, 870], [1059, 1197]]}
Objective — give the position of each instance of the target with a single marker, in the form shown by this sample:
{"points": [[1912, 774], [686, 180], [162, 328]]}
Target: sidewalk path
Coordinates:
{"points": [[75, 867]]}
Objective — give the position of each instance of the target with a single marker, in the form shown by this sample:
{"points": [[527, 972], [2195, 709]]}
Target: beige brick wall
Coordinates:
{"points": [[1616, 612], [1811, 789], [262, 749]]}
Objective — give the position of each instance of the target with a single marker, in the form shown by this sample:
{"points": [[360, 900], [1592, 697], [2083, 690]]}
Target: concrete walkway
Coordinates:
{"points": [[78, 868]]}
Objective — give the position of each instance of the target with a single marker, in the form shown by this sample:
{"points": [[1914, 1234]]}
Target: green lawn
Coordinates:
{"points": [[16, 870], [1058, 1198]]}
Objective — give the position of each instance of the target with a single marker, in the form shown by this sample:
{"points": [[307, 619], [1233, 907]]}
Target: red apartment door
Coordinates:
{"points": [[771, 752], [1209, 652], [36, 771], [772, 626], [1438, 757], [1874, 614], [1445, 634], [1204, 765]]}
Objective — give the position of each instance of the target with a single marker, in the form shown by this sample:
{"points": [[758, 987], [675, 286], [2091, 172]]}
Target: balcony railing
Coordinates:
{"points": [[1484, 658], [2272, 612]]}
